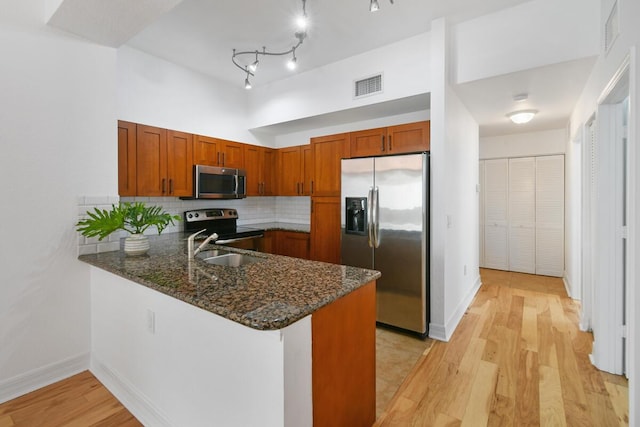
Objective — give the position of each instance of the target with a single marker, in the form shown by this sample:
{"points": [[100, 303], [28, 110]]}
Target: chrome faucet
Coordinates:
{"points": [[191, 239]]}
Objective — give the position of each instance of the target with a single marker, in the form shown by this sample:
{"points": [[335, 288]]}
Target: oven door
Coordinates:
{"points": [[212, 182]]}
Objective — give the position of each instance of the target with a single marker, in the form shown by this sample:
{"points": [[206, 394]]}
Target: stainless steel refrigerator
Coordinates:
{"points": [[385, 227]]}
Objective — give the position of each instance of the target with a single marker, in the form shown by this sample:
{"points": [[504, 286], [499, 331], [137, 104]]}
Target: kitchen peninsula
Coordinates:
{"points": [[280, 342]]}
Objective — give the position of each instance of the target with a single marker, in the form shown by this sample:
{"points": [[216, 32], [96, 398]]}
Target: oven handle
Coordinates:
{"points": [[222, 242]]}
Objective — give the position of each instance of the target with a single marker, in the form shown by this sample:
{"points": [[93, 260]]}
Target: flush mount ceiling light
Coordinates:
{"points": [[302, 22], [522, 116], [374, 6]]}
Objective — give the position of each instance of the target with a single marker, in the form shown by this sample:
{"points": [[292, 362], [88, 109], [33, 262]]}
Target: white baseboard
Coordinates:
{"points": [[567, 285], [443, 332], [132, 399], [41, 377]]}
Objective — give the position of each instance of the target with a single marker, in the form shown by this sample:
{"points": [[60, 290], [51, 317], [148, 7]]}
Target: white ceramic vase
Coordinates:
{"points": [[136, 244]]}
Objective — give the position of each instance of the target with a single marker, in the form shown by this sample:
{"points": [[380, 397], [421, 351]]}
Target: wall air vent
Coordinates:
{"points": [[368, 86]]}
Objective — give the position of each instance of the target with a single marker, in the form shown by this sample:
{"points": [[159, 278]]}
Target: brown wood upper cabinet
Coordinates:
{"points": [[408, 138], [126, 158], [163, 162], [217, 152], [295, 171], [328, 151], [260, 164]]}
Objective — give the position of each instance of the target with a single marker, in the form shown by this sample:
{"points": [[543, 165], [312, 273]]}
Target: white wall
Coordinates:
{"points": [[195, 368], [303, 137], [455, 275], [627, 43], [405, 68], [156, 92], [57, 141], [524, 37], [524, 144]]}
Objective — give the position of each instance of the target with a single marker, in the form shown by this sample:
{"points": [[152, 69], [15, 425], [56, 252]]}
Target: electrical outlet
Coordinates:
{"points": [[151, 321], [465, 269]]}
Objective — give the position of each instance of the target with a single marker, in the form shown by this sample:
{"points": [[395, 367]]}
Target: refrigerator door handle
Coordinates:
{"points": [[370, 217], [376, 218]]}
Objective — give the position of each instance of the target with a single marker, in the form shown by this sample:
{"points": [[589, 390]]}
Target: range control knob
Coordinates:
{"points": [[190, 216], [197, 215]]}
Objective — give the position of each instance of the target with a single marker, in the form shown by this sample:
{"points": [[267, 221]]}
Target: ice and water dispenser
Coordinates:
{"points": [[356, 215]]}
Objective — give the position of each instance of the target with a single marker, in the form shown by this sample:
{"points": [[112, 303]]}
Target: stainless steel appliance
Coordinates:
{"points": [[385, 226], [220, 221], [211, 182]]}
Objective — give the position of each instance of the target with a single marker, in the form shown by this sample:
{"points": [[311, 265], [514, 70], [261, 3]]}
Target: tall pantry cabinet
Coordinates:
{"points": [[522, 214]]}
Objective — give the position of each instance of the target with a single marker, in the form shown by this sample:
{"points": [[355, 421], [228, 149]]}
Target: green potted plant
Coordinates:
{"points": [[134, 218]]}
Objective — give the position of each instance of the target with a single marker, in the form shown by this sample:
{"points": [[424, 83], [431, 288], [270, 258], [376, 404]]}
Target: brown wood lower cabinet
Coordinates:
{"points": [[325, 229], [289, 243], [344, 360]]}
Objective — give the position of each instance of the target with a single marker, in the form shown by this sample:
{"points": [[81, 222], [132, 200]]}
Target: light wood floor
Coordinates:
{"points": [[80, 401], [516, 359]]}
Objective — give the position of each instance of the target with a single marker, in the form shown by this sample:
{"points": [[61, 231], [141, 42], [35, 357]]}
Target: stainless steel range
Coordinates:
{"points": [[220, 221]]}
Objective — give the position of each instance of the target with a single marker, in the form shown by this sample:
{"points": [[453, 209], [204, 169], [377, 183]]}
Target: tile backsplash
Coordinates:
{"points": [[251, 210]]}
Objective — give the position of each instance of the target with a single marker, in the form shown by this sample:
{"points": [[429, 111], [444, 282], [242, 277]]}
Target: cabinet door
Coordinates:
{"points": [[307, 168], [289, 164], [179, 164], [126, 158], [409, 138], [151, 161], [293, 244], [206, 150], [268, 163], [267, 243], [252, 156], [325, 229], [370, 142], [232, 155], [328, 152]]}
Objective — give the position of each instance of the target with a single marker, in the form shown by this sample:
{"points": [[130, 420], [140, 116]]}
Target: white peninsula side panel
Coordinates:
{"points": [[173, 364]]}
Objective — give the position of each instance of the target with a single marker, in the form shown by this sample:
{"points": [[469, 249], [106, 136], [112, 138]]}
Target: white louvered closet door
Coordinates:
{"points": [[550, 215], [496, 244], [522, 215]]}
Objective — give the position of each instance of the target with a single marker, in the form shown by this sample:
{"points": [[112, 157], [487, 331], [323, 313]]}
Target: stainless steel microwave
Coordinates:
{"points": [[211, 182]]}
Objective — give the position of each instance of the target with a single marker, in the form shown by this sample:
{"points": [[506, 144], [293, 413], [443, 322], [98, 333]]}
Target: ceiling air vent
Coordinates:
{"points": [[368, 86]]}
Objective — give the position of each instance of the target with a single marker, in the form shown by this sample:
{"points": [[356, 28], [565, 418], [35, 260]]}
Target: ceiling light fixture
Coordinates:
{"points": [[522, 116], [302, 23], [374, 6]]}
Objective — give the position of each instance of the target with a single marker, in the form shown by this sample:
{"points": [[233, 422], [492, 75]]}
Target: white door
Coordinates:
{"points": [[522, 215], [550, 215], [496, 244]]}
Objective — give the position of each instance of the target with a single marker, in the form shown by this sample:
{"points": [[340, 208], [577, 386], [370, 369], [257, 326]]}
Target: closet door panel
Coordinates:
{"points": [[496, 243], [550, 215], [522, 215]]}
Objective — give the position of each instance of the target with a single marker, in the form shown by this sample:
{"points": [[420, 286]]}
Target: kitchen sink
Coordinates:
{"points": [[211, 253], [232, 259]]}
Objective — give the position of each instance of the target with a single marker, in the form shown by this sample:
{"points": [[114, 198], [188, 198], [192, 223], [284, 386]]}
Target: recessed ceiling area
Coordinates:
{"points": [[553, 90]]}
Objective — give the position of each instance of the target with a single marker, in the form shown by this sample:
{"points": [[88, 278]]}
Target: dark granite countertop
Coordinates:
{"points": [[266, 295], [284, 226]]}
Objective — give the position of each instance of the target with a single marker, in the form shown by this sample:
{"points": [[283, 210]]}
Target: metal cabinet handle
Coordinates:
{"points": [[382, 142], [218, 161], [223, 159], [164, 182], [170, 186], [390, 143], [311, 186]]}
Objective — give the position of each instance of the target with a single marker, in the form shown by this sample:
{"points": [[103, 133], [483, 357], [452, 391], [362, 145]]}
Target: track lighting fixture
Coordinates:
{"points": [[374, 6], [250, 69]]}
